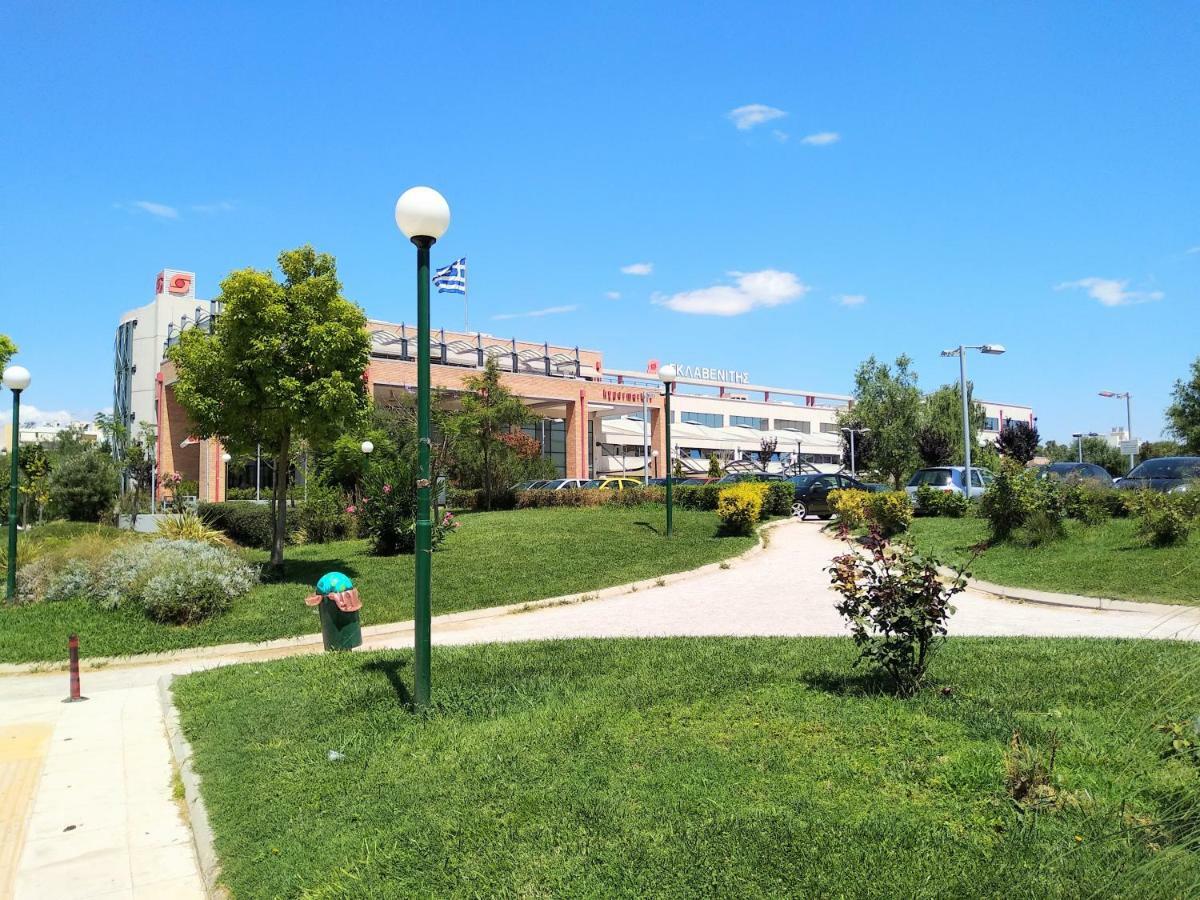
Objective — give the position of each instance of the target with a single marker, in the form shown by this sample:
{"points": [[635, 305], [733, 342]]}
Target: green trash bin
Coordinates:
{"points": [[338, 602]]}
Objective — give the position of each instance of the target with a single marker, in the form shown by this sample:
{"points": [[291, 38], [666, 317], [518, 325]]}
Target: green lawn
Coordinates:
{"points": [[493, 559], [1108, 560], [697, 767]]}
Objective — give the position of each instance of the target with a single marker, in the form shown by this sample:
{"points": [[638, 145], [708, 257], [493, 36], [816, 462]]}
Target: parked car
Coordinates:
{"points": [[611, 484], [528, 486], [1076, 471], [812, 492], [949, 479], [737, 477], [1167, 474], [561, 484]]}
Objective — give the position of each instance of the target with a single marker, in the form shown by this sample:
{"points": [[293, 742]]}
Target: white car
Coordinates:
{"points": [[950, 480], [562, 484]]}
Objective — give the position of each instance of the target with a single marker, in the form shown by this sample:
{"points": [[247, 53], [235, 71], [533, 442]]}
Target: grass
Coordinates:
{"points": [[1107, 560], [697, 767], [494, 559]]}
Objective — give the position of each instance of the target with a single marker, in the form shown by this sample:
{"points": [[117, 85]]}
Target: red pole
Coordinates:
{"points": [[73, 653]]}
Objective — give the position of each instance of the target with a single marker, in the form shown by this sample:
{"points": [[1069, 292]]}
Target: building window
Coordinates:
{"points": [[991, 423], [829, 428], [793, 425], [552, 435], [712, 420], [751, 421]]}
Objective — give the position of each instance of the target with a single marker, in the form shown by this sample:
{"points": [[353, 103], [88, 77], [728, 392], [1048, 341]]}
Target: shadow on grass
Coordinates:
{"points": [[852, 684], [648, 526], [391, 670], [305, 571]]}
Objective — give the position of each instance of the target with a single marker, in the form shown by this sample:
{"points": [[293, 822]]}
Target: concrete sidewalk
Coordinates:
{"points": [[87, 806]]}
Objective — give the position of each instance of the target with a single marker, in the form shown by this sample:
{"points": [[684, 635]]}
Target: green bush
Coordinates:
{"points": [[1163, 519], [890, 511], [249, 524], [1090, 503], [323, 517], [566, 497], [464, 498], [779, 498], [1007, 502], [639, 496], [931, 502], [739, 506], [850, 506], [698, 496], [83, 487], [233, 493]]}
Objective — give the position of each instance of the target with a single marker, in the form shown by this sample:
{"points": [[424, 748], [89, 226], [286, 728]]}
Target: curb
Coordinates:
{"points": [[202, 835], [313, 642]]}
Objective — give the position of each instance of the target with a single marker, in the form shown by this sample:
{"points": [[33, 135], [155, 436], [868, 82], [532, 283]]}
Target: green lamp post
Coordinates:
{"points": [[423, 216], [16, 379], [667, 375]]}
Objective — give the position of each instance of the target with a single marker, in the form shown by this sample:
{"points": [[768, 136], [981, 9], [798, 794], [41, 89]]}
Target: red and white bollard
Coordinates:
{"points": [[73, 653]]}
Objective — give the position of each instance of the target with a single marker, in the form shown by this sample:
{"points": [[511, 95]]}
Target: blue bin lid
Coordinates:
{"points": [[334, 583]]}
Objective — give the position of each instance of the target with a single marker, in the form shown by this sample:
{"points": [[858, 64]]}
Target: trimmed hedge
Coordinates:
{"points": [[699, 496], [590, 497], [247, 523]]}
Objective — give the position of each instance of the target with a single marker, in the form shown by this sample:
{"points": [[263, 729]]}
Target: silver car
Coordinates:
{"points": [[950, 480]]}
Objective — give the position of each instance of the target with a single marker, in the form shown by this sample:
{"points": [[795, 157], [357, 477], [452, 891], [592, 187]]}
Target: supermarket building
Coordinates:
{"points": [[591, 420]]}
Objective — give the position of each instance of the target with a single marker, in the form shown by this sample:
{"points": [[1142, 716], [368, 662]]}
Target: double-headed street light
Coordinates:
{"points": [[423, 215], [961, 353], [667, 375], [1128, 398], [16, 379]]}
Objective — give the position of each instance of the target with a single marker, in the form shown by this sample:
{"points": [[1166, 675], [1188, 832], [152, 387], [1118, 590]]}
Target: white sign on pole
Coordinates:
{"points": [[1130, 448]]}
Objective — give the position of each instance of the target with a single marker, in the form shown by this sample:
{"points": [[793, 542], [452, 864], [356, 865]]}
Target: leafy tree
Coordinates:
{"points": [[7, 350], [35, 471], [1019, 441], [1095, 450], [714, 466], [942, 412], [137, 465], [83, 486], [934, 446], [677, 471], [489, 411], [889, 403], [1158, 449], [1183, 415], [284, 362], [766, 449]]}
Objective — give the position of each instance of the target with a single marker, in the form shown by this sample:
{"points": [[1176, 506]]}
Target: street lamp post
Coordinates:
{"points": [[667, 375], [853, 432], [225, 460], [961, 353], [423, 216], [1128, 398], [16, 379], [1079, 436]]}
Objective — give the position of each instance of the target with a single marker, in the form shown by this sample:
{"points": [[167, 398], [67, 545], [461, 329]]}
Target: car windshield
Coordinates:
{"points": [[803, 480], [931, 477], [554, 485], [594, 483], [1181, 467]]}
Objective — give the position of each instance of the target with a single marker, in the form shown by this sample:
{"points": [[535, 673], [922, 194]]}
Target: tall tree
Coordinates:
{"points": [[285, 360], [1183, 415], [1019, 441], [766, 450], [1095, 450], [934, 446], [889, 403], [942, 411], [7, 350], [489, 411]]}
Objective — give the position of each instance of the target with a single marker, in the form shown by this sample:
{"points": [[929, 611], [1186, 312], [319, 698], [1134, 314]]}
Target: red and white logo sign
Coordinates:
{"points": [[177, 283], [652, 367]]}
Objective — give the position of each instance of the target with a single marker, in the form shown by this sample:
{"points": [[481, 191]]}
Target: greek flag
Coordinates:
{"points": [[453, 278]]}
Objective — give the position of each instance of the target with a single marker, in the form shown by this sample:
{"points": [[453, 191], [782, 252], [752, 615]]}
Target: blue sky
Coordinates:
{"points": [[836, 180]]}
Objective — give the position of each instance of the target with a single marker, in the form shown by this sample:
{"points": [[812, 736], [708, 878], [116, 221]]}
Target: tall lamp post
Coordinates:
{"points": [[667, 375], [852, 432], [423, 216], [1079, 436], [1128, 398], [16, 379], [961, 353]]}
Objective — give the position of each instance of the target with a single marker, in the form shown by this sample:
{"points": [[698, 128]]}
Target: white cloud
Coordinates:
{"points": [[537, 313], [1110, 291], [31, 415], [613, 295], [220, 206], [852, 299], [781, 136], [638, 269], [749, 291], [1195, 249], [821, 138], [746, 117], [159, 210]]}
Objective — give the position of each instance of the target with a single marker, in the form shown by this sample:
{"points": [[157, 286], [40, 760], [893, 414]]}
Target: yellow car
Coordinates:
{"points": [[612, 484]]}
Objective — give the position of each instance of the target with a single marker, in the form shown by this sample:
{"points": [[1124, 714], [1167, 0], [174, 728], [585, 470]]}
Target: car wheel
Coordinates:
{"points": [[799, 510]]}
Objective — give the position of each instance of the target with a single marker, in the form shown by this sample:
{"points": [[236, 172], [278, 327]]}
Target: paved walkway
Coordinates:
{"points": [[86, 790]]}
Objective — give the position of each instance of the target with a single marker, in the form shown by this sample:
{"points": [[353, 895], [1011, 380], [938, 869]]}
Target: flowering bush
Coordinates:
{"points": [[850, 506], [740, 507], [897, 607], [890, 511], [387, 512]]}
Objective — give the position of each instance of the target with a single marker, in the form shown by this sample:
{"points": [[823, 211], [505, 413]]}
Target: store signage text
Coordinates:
{"points": [[704, 373], [624, 396]]}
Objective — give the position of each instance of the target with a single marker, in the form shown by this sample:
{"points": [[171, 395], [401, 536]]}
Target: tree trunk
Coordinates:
{"points": [[487, 474], [279, 499]]}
